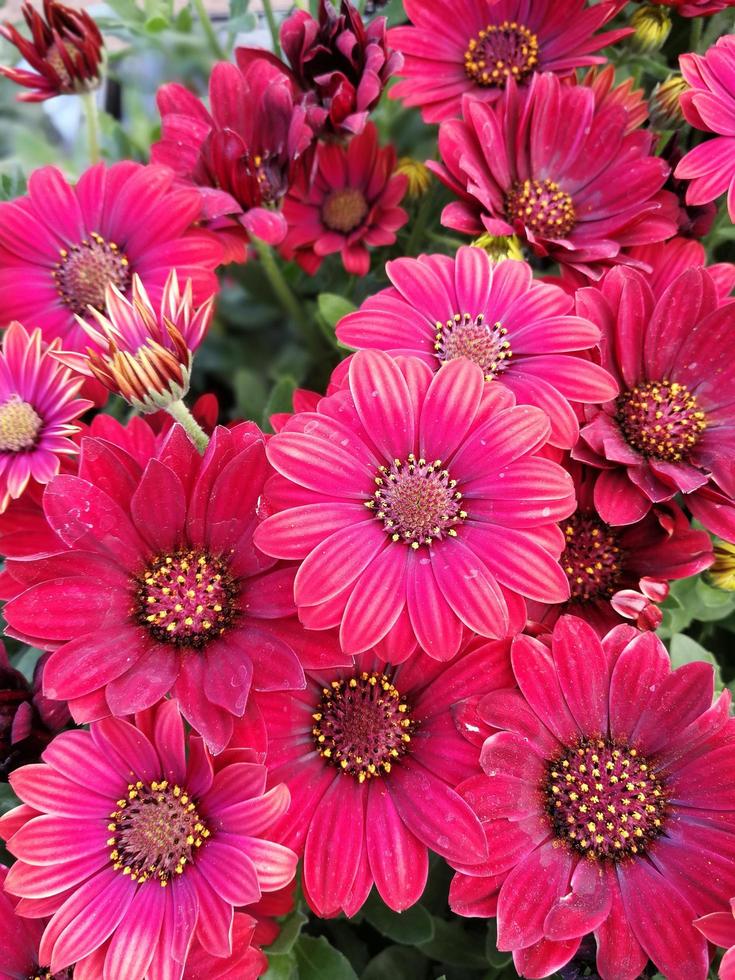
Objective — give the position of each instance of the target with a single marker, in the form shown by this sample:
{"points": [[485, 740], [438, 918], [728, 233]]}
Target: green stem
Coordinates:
{"points": [[272, 26], [212, 40], [180, 413], [695, 35], [419, 224], [284, 293], [91, 114]]}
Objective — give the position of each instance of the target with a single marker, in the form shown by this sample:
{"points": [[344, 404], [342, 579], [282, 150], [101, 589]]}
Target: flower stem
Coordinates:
{"points": [[419, 224], [214, 45], [284, 293], [272, 26], [91, 115], [181, 414]]}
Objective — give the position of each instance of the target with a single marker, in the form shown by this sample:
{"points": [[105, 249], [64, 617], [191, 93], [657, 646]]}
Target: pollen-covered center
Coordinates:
{"points": [[604, 800], [499, 52], [54, 59], [475, 338], [542, 206], [661, 419], [186, 598], [344, 210], [155, 831], [19, 425], [86, 270], [592, 558], [362, 725], [417, 501], [42, 974]]}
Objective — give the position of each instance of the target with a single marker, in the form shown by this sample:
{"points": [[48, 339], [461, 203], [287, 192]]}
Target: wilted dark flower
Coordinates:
{"points": [[28, 720], [693, 220], [64, 52]]}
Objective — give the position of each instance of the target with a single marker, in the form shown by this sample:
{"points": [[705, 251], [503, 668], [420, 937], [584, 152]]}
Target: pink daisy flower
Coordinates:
{"points": [[242, 162], [371, 757], [472, 47], [608, 804], [601, 561], [696, 8], [61, 246], [672, 428], [134, 840], [39, 409], [561, 168], [19, 938], [719, 929], [349, 202], [709, 104], [417, 506], [520, 331], [169, 592]]}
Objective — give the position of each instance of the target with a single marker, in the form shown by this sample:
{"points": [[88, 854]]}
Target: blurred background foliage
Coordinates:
{"points": [[255, 357]]}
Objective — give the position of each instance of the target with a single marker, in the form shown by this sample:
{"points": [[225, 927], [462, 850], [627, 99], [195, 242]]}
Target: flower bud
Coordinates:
{"points": [[652, 26], [722, 573], [664, 106], [418, 175], [500, 247]]}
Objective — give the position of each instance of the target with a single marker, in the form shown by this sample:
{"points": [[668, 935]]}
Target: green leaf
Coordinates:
{"points": [[494, 956], [281, 966], [396, 963], [453, 945], [317, 960], [685, 650], [290, 932], [279, 400], [155, 24], [410, 928], [26, 662], [333, 307], [8, 799]]}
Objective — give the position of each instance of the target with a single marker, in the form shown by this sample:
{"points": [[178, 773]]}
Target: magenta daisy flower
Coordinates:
{"points": [[349, 202], [472, 47], [61, 246], [417, 506], [19, 937], [560, 167], [696, 8], [134, 840], [719, 929], [371, 756], [608, 804], [709, 104], [672, 428], [520, 331], [600, 561], [38, 411], [169, 592]]}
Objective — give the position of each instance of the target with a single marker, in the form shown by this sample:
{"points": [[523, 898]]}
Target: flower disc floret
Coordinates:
{"points": [[86, 269], [500, 51], [20, 425], [661, 419]]}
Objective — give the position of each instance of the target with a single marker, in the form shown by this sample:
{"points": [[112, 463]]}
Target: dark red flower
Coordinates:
{"points": [[602, 561], [64, 52], [243, 151]]}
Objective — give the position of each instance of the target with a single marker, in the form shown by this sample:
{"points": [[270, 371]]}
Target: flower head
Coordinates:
{"points": [[709, 105], [607, 801], [341, 64], [371, 756], [531, 164], [464, 47], [416, 506], [61, 246], [349, 202], [170, 594], [242, 162], [39, 409], [140, 353], [672, 427], [614, 570], [135, 840], [64, 52], [518, 330]]}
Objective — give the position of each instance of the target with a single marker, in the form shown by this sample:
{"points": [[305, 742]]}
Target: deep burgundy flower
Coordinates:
{"points": [[62, 245], [156, 585], [348, 201], [134, 839], [472, 47], [601, 561], [371, 756], [608, 799], [340, 64], [28, 720], [64, 52], [517, 329], [242, 152], [561, 166], [694, 220], [417, 505], [672, 428]]}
